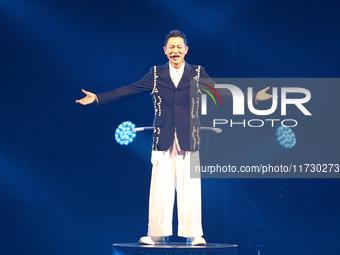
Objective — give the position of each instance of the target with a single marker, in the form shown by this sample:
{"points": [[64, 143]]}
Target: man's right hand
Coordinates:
{"points": [[88, 99]]}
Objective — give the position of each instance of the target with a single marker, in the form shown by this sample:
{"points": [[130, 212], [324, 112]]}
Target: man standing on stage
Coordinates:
{"points": [[172, 149]]}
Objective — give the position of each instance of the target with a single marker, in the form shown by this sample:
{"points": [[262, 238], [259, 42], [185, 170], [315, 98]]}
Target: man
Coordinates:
{"points": [[172, 147]]}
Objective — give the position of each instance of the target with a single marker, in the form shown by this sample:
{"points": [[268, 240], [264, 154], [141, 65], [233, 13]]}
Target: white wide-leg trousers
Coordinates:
{"points": [[170, 172]]}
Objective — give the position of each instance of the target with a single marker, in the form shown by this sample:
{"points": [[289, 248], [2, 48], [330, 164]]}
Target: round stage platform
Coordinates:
{"points": [[174, 248]]}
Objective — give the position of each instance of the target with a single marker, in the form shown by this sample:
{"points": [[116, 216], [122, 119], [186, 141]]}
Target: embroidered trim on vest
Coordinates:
{"points": [[154, 90], [197, 78], [195, 104], [193, 137], [157, 101]]}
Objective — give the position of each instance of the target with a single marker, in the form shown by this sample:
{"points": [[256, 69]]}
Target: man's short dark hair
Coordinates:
{"points": [[175, 33]]}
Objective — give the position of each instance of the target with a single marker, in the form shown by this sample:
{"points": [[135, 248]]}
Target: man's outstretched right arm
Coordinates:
{"points": [[120, 94]]}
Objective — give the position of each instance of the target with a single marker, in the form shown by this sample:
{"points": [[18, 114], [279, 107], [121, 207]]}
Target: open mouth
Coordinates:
{"points": [[175, 57]]}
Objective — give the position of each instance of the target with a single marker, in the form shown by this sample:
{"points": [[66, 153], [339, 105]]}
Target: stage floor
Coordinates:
{"points": [[174, 248]]}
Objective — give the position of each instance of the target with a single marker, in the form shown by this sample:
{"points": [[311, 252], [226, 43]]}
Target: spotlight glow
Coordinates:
{"points": [[286, 137], [124, 134]]}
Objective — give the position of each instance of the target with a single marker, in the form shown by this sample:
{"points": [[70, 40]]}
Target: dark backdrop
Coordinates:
{"points": [[66, 187]]}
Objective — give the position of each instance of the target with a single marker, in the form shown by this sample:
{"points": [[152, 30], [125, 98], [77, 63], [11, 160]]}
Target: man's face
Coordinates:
{"points": [[176, 50]]}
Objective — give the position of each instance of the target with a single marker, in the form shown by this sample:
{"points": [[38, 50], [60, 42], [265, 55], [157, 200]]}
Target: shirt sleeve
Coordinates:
{"points": [[140, 87]]}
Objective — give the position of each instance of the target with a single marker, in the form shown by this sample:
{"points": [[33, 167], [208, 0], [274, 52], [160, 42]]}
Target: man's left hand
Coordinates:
{"points": [[262, 95]]}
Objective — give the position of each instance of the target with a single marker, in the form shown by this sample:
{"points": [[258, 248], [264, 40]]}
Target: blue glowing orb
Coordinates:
{"points": [[124, 134], [286, 137]]}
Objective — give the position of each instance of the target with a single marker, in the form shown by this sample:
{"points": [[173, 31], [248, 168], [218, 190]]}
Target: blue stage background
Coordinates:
{"points": [[66, 187]]}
